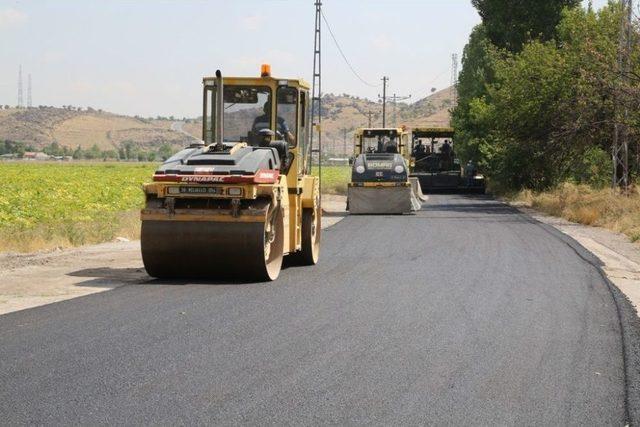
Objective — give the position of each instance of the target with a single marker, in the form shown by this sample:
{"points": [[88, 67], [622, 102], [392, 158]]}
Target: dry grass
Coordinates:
{"points": [[585, 205], [86, 130], [71, 234]]}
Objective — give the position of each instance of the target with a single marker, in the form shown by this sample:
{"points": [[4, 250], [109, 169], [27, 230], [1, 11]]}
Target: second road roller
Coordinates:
{"points": [[380, 182], [234, 204]]}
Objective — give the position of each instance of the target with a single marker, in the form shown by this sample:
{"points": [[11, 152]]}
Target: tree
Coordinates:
{"points": [[511, 23], [165, 151], [78, 154], [93, 152], [547, 113], [478, 61]]}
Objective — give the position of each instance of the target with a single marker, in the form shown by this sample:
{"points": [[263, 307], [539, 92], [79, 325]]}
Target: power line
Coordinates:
{"points": [[383, 98], [430, 86], [355, 73], [29, 103], [316, 98], [397, 98]]}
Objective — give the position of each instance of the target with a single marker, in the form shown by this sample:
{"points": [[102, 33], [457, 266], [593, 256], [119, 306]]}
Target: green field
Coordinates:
{"points": [[47, 205], [334, 179]]}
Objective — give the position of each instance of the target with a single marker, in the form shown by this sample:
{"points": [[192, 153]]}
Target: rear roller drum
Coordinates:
{"points": [[311, 231]]}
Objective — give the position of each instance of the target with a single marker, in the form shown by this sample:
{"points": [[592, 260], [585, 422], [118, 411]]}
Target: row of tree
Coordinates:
{"points": [[540, 92], [127, 151]]}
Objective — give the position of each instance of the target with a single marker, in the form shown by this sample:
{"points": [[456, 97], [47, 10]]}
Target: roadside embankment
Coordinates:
{"points": [[45, 277], [588, 206]]}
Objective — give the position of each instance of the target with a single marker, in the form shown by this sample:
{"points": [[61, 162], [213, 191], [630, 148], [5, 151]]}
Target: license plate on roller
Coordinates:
{"points": [[198, 190]]}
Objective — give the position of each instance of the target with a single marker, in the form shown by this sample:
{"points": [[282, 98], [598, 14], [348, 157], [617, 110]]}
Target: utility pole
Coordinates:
{"points": [[397, 98], [316, 100], [384, 101], [20, 97], [344, 141], [620, 151], [368, 115]]}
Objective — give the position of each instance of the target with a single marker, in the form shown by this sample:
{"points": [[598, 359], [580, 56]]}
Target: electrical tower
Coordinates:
{"points": [[383, 98], [397, 98], [316, 100], [29, 103], [20, 98], [620, 150], [454, 76]]}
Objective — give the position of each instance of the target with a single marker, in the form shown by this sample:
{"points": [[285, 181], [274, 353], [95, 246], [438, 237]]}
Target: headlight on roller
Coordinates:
{"points": [[399, 169], [360, 169], [234, 191]]}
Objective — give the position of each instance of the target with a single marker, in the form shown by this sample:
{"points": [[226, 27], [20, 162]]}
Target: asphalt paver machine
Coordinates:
{"points": [[435, 164]]}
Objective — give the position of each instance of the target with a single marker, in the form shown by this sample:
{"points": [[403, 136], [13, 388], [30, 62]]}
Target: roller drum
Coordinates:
{"points": [[212, 250]]}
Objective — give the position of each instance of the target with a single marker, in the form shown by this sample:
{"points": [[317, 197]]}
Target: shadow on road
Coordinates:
{"points": [[471, 204], [107, 276], [114, 277]]}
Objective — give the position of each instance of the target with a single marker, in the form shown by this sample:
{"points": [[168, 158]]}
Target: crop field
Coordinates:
{"points": [[49, 205], [45, 205], [334, 179]]}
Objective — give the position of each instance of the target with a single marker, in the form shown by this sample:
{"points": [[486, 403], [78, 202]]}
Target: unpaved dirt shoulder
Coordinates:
{"points": [[619, 256], [31, 280]]}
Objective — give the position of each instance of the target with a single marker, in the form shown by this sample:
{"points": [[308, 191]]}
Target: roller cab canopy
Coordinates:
{"points": [[433, 132]]}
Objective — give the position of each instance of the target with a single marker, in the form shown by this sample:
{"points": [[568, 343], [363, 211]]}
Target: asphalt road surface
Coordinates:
{"points": [[466, 313]]}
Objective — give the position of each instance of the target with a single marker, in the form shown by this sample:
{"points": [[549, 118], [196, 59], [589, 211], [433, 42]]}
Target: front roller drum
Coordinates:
{"points": [[213, 250], [385, 200]]}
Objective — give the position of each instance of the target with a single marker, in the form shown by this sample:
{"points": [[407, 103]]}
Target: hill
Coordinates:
{"points": [[42, 126], [342, 114]]}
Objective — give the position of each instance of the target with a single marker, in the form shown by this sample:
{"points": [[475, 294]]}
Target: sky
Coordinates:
{"points": [[148, 57]]}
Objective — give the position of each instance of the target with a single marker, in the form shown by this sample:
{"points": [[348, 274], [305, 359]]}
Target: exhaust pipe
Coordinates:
{"points": [[219, 112]]}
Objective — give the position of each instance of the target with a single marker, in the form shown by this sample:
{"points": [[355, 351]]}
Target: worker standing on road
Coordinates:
{"points": [[445, 150], [470, 172]]}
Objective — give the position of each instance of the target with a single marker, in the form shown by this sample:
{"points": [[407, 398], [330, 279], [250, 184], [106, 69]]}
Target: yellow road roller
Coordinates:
{"points": [[380, 181], [234, 204]]}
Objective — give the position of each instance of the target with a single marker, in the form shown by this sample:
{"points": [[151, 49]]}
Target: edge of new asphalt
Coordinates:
{"points": [[628, 321]]}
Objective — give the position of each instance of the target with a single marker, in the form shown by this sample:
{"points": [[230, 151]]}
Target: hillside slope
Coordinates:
{"points": [[345, 114], [40, 127]]}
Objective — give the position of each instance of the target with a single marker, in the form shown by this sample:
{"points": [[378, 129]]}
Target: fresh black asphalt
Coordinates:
{"points": [[466, 313]]}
